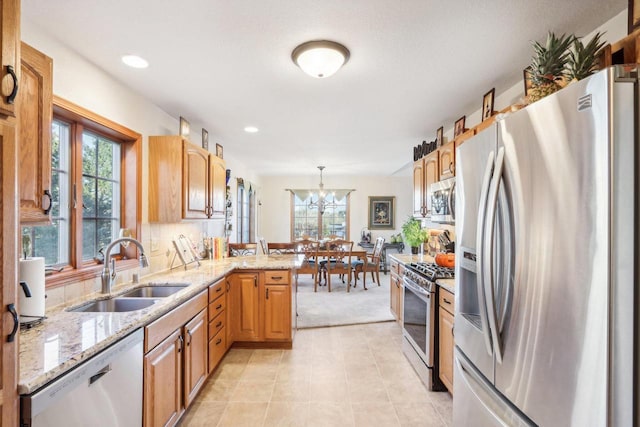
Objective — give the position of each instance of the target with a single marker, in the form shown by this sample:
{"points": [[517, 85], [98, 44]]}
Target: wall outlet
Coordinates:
{"points": [[154, 245]]}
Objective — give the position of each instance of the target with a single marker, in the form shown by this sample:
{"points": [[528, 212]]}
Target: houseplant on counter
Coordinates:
{"points": [[414, 235]]}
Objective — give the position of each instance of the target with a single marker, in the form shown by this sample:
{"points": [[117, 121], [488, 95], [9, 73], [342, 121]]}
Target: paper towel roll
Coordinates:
{"points": [[31, 272]]}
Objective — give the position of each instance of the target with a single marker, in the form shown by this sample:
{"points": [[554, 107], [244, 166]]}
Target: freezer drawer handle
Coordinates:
{"points": [[104, 371]]}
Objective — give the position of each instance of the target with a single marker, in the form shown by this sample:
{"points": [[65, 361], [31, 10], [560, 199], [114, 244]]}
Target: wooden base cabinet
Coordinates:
{"points": [[445, 330], [395, 282], [277, 306], [175, 362], [246, 323], [217, 323]]}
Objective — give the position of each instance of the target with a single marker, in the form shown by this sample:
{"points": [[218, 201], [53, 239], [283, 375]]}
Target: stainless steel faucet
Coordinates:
{"points": [[109, 270]]}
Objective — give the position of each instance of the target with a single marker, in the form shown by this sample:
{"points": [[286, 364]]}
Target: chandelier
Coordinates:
{"points": [[321, 202]]}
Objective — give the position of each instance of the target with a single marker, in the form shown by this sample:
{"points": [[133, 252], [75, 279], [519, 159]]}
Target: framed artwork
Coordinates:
{"points": [[487, 104], [526, 78], [205, 139], [184, 127], [219, 151], [458, 127], [634, 15], [440, 136], [382, 214]]}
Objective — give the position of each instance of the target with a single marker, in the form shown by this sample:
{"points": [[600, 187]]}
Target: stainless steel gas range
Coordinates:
{"points": [[418, 320]]}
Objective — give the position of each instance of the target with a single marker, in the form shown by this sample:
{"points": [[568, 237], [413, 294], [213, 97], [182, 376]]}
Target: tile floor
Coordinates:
{"points": [[338, 376]]}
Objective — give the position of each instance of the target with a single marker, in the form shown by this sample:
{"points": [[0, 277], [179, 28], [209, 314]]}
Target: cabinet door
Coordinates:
{"points": [[277, 312], [418, 188], [163, 382], [394, 295], [195, 182], [9, 55], [217, 185], [447, 160], [34, 105], [446, 348], [431, 175], [248, 328], [232, 311], [195, 355], [8, 274], [165, 179]]}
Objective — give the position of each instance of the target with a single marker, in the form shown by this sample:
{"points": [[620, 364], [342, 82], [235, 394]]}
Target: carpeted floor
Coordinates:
{"points": [[318, 309]]}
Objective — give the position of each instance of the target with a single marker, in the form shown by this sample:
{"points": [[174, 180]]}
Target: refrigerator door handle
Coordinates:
{"points": [[482, 210], [488, 272], [507, 287]]}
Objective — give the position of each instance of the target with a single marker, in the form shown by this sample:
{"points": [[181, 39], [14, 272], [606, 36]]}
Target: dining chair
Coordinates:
{"points": [[281, 248], [309, 265], [242, 249], [263, 246], [370, 263], [338, 261]]}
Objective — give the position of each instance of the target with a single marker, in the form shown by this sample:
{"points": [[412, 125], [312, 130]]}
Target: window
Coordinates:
{"points": [[95, 176], [246, 213], [309, 222]]}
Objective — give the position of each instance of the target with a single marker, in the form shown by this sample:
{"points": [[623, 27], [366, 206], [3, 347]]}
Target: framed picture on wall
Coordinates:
{"points": [[440, 136], [634, 15], [382, 214], [487, 104], [205, 139], [219, 151], [458, 127], [184, 127]]}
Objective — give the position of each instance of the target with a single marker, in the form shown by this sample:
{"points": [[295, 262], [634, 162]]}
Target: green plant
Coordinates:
{"points": [[413, 232], [583, 59]]}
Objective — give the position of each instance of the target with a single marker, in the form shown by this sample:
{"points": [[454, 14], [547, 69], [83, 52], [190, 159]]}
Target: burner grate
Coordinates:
{"points": [[432, 271]]}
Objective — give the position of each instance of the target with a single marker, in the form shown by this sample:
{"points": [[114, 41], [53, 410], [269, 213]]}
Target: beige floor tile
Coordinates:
{"points": [[252, 391], [362, 371], [367, 390], [229, 370], [374, 414], [328, 372], [217, 390], [265, 357], [260, 372], [238, 355], [293, 372], [398, 370], [443, 402], [405, 390], [330, 414], [287, 414], [243, 414], [203, 414], [415, 414], [291, 391], [328, 391]]}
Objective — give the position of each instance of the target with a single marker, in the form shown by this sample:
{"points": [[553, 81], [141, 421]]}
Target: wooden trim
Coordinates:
{"points": [[86, 272], [76, 208]]}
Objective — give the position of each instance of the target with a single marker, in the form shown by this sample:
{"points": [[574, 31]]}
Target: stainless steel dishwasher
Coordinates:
{"points": [[106, 390]]}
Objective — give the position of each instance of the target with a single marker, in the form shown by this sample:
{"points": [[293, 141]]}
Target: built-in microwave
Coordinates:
{"points": [[443, 200]]}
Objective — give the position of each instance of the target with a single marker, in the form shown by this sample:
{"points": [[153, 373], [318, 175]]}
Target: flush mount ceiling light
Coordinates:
{"points": [[135, 61], [320, 58]]}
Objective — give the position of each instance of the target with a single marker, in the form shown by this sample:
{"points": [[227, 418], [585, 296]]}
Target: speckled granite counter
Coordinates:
{"points": [[66, 339], [448, 284]]}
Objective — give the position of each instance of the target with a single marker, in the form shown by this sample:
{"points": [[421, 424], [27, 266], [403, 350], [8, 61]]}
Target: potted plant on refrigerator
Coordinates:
{"points": [[414, 234]]}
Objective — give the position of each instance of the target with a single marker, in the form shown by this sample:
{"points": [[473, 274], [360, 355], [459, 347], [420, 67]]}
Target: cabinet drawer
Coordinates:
{"points": [[217, 348], [216, 290], [276, 277], [395, 266], [217, 307], [216, 324], [447, 300]]}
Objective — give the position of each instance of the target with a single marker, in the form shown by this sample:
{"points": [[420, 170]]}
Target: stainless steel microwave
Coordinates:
{"points": [[443, 200]]}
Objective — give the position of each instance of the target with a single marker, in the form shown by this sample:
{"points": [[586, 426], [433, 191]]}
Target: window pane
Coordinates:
{"points": [[105, 198], [89, 153], [89, 239], [105, 233], [108, 159], [89, 197]]}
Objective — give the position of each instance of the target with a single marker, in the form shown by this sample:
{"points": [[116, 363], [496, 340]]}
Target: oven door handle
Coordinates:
{"points": [[416, 289]]}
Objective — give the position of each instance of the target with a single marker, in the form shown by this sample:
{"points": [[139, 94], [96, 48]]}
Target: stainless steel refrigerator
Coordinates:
{"points": [[547, 235]]}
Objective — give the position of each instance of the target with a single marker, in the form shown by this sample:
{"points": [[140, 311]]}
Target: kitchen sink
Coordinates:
{"points": [[154, 291], [113, 305]]}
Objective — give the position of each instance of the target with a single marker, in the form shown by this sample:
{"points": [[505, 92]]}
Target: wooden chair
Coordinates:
{"points": [[370, 263], [308, 248], [338, 261], [281, 248], [242, 249], [263, 246]]}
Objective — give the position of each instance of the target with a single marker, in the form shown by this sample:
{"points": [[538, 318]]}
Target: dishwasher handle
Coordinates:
{"points": [[101, 373]]}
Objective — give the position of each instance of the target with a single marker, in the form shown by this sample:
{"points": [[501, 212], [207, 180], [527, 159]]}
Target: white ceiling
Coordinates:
{"points": [[415, 65]]}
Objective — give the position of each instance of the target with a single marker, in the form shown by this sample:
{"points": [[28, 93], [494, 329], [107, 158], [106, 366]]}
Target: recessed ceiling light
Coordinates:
{"points": [[251, 129], [135, 61]]}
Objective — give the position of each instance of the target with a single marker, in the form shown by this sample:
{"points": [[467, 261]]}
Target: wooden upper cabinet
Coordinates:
{"points": [[447, 160], [418, 188], [165, 179], [217, 185], [431, 175], [195, 181], [9, 56], [34, 104]]}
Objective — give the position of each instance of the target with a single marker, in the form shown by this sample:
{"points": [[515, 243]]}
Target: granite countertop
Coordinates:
{"points": [[65, 339], [448, 284]]}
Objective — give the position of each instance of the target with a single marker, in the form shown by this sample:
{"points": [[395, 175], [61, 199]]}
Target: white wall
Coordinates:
{"points": [[274, 215]]}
